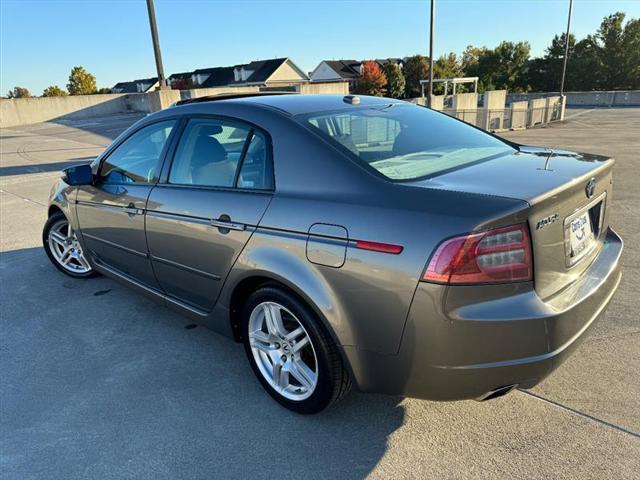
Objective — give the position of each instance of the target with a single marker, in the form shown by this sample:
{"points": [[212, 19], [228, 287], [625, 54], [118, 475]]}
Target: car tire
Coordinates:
{"points": [[305, 377], [78, 266]]}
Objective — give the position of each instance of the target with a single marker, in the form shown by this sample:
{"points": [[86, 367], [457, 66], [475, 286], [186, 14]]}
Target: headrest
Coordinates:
{"points": [[209, 130]]}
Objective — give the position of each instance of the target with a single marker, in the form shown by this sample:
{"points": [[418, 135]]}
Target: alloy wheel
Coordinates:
{"points": [[65, 248], [283, 351]]}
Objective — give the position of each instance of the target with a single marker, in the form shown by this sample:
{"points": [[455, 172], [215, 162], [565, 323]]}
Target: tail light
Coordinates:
{"points": [[495, 256]]}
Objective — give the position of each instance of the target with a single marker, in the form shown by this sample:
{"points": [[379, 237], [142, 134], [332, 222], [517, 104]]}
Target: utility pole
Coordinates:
{"points": [[566, 49], [156, 45], [433, 8]]}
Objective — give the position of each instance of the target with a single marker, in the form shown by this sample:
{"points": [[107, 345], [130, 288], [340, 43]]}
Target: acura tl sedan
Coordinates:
{"points": [[350, 241]]}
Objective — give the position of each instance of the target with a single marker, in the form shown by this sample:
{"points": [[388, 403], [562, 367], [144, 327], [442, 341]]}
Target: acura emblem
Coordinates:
{"points": [[590, 189]]}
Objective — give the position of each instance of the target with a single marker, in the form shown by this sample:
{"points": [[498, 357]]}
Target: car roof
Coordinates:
{"points": [[296, 104]]}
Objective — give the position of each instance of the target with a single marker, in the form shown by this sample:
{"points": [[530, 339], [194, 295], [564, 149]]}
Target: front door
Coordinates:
{"points": [[200, 218], [111, 211]]}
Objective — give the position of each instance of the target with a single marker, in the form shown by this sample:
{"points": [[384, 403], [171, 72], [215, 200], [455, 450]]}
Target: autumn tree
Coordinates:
{"points": [[372, 80], [54, 91], [18, 92], [395, 80], [81, 82], [415, 68]]}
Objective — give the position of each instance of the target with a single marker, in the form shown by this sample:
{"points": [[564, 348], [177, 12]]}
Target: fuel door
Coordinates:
{"points": [[327, 244]]}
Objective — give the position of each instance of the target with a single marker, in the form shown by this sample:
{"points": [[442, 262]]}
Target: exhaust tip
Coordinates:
{"points": [[497, 392]]}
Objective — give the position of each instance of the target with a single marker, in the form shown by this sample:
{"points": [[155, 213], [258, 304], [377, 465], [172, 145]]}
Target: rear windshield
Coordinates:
{"points": [[406, 142]]}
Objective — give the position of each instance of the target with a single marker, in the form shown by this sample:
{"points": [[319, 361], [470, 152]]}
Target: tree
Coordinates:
{"points": [[447, 66], [545, 74], [81, 82], [504, 67], [104, 90], [416, 68], [54, 91], [18, 92], [395, 80], [372, 80], [617, 48]]}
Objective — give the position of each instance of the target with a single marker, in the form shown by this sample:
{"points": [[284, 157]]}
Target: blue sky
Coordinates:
{"points": [[40, 41]]}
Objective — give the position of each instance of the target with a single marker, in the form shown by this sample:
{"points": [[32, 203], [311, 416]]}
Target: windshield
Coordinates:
{"points": [[407, 142]]}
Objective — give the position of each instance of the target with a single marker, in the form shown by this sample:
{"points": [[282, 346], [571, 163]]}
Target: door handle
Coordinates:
{"points": [[224, 223], [131, 210]]}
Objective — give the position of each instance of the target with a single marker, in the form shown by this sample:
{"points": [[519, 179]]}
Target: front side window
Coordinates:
{"points": [[137, 159], [406, 142]]}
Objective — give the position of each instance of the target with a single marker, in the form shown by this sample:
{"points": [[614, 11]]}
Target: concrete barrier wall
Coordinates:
{"points": [[493, 104], [537, 107], [325, 88], [465, 105], [519, 111], [622, 98], [23, 111]]}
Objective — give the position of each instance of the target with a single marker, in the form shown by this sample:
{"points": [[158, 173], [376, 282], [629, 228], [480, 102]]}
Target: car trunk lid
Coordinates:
{"points": [[568, 194]]}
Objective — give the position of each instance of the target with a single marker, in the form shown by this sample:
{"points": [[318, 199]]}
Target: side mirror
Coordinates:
{"points": [[78, 175]]}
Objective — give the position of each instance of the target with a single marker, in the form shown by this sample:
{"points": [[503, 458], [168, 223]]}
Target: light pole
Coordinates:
{"points": [[433, 8], [566, 49], [156, 45]]}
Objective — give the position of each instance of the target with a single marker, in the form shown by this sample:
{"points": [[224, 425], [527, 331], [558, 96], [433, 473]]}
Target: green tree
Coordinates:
{"points": [[617, 46], [54, 91], [372, 80], [544, 74], [104, 90], [18, 92], [503, 67], [416, 68], [395, 80], [81, 82], [447, 66]]}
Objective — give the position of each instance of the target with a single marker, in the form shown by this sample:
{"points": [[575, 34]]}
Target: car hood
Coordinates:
{"points": [[528, 174]]}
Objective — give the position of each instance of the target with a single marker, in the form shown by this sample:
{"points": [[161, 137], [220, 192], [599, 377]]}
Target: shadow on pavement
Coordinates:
{"points": [[42, 167], [99, 382]]}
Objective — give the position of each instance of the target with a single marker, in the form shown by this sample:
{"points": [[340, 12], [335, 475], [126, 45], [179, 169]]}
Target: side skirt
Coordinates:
{"points": [[216, 320]]}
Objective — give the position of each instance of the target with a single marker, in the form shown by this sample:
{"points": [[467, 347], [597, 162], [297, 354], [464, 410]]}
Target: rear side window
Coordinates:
{"points": [[256, 172], [406, 142], [209, 153]]}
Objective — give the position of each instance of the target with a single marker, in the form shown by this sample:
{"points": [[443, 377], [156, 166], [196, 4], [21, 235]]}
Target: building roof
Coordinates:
{"points": [[262, 71], [132, 87], [345, 68], [348, 69], [218, 76]]}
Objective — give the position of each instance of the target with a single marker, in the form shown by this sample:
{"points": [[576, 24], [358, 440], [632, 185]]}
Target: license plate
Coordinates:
{"points": [[580, 234]]}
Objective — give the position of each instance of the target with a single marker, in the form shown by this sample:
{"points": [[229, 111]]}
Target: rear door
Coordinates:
{"points": [[201, 215], [111, 211]]}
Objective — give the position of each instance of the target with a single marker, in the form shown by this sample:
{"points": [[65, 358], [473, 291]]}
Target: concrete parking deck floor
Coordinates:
{"points": [[99, 382]]}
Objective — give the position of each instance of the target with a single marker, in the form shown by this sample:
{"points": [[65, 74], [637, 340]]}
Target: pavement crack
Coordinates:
{"points": [[580, 414]]}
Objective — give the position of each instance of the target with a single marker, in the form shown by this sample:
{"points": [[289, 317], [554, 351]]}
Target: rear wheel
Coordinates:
{"points": [[63, 248], [294, 359]]}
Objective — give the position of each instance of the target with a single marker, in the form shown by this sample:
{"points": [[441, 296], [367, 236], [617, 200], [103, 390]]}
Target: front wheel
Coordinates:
{"points": [[63, 249], [294, 359]]}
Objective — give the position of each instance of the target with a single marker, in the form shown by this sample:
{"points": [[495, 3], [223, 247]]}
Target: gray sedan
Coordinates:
{"points": [[350, 240]]}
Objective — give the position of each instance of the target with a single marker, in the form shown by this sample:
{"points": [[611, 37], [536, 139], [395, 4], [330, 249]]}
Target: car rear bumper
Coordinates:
{"points": [[465, 342]]}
